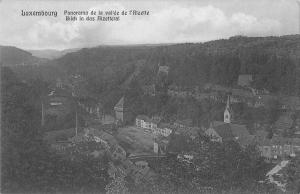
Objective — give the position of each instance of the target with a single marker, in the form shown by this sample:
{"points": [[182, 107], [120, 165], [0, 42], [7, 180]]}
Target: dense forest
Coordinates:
{"points": [[108, 72], [273, 61], [27, 164]]}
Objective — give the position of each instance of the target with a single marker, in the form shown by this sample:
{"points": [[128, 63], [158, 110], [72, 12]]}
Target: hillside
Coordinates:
{"points": [[15, 56], [51, 53], [273, 61]]}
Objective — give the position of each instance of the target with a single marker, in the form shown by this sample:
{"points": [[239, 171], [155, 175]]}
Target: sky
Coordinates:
{"points": [[169, 21]]}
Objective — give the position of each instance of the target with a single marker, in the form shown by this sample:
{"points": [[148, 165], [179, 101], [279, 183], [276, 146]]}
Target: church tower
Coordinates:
{"points": [[227, 112]]}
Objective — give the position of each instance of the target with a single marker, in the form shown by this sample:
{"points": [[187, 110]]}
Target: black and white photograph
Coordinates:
{"points": [[150, 96]]}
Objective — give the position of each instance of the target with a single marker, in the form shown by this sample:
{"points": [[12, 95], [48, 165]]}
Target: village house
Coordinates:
{"points": [[154, 124], [245, 80], [186, 157], [279, 147], [297, 128], [183, 123], [143, 121], [164, 129], [290, 103], [103, 138], [284, 123], [186, 127], [149, 90], [188, 131], [163, 69], [138, 171], [59, 83], [159, 128], [178, 93], [263, 100]]}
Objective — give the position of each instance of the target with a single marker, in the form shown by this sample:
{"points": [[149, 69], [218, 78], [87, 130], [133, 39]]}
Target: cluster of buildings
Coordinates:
{"points": [[277, 147], [153, 124], [104, 144], [225, 130], [138, 171], [243, 93], [218, 131], [163, 129], [221, 131]]}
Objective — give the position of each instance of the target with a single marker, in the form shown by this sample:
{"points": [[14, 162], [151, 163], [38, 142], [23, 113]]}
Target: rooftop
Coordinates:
{"points": [[120, 104], [233, 131], [143, 117], [245, 79]]}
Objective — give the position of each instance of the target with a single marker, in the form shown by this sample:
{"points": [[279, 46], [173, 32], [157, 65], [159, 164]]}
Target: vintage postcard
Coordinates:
{"points": [[149, 96]]}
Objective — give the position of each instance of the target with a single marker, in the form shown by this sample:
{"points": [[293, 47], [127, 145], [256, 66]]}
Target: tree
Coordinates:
{"points": [[27, 164], [221, 166], [293, 174], [117, 186]]}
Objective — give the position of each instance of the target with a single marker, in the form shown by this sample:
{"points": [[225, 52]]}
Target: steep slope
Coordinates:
{"points": [[14, 56]]}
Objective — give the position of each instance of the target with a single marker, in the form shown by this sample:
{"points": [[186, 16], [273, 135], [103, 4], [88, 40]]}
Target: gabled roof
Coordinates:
{"points": [[217, 123], [233, 131], [239, 130], [224, 131], [165, 125], [120, 104], [261, 138], [143, 117], [245, 79], [164, 69], [186, 122], [284, 122]]}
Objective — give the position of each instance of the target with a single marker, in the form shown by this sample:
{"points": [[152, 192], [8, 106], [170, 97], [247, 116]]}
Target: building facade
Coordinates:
{"points": [[154, 124], [122, 112]]}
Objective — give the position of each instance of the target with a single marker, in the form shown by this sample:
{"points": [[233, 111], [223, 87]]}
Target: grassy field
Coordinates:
{"points": [[135, 140], [52, 136]]}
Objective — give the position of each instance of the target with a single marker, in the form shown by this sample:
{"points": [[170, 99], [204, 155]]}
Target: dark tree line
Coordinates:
{"points": [[27, 164], [214, 168]]}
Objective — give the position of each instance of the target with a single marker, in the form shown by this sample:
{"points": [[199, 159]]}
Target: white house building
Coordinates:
{"points": [[154, 124]]}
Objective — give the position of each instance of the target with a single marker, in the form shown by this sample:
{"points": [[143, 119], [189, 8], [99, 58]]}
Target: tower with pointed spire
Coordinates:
{"points": [[227, 112], [122, 110]]}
